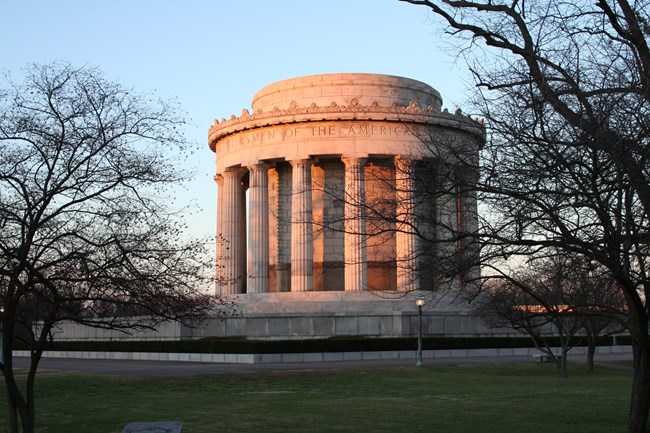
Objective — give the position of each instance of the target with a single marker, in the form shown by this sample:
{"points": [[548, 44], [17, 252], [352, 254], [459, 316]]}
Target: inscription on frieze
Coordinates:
{"points": [[341, 130]]}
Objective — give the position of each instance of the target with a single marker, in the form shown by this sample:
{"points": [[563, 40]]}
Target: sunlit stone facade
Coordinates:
{"points": [[316, 155]]}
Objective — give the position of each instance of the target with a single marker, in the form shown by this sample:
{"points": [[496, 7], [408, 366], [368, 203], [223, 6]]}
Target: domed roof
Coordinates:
{"points": [[342, 89]]}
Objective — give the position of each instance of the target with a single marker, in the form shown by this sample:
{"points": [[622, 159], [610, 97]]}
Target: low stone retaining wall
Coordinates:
{"points": [[288, 326], [231, 358]]}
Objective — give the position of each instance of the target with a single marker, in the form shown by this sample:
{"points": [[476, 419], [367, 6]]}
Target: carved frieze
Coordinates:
{"points": [[413, 113]]}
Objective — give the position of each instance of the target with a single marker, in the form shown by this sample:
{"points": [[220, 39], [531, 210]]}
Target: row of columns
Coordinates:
{"points": [[231, 243]]}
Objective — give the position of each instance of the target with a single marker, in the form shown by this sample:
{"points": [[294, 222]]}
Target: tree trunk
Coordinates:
{"points": [[21, 413], [21, 407], [640, 399], [564, 374], [13, 416], [591, 351]]}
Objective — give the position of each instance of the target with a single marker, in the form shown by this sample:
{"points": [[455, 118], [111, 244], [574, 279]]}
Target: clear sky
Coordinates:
{"points": [[214, 55]]}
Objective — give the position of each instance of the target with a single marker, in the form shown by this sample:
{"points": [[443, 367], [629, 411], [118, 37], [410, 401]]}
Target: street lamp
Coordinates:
{"points": [[419, 302], [2, 353]]}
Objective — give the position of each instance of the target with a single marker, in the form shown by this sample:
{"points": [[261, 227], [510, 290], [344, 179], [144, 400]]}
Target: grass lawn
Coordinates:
{"points": [[472, 398]]}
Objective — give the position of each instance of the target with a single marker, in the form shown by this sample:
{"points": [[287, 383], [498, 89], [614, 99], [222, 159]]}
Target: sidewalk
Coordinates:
{"points": [[313, 357]]}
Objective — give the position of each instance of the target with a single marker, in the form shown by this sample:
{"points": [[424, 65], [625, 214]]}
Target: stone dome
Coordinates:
{"points": [[343, 88]]}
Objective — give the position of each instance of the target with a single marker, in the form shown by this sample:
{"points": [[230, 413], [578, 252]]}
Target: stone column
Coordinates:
{"points": [[302, 249], [405, 238], [218, 179], [356, 266], [243, 250], [258, 229], [232, 275]]}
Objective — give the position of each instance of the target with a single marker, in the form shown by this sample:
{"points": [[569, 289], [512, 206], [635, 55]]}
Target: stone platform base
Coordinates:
{"points": [[332, 314], [282, 316]]}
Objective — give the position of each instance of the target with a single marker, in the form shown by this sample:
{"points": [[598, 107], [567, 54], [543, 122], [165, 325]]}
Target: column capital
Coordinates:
{"points": [[347, 160], [218, 179], [404, 160], [296, 162], [233, 172], [260, 165], [404, 168]]}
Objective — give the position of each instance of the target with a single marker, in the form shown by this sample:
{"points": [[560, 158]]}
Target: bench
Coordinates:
{"points": [[545, 357]]}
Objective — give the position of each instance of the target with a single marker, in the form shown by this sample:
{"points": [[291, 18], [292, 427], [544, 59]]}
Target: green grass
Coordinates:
{"points": [[500, 398]]}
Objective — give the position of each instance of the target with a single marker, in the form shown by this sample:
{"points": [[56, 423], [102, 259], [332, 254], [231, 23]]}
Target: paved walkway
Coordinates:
{"points": [[168, 368]]}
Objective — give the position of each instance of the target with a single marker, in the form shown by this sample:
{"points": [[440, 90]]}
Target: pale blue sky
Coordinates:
{"points": [[214, 55]]}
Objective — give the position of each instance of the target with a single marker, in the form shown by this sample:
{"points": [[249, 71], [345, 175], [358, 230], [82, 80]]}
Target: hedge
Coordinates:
{"points": [[336, 344]]}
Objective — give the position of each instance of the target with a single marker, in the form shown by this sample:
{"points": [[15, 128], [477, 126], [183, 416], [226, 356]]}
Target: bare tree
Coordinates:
{"points": [[565, 90], [599, 302], [518, 303], [87, 235], [557, 296]]}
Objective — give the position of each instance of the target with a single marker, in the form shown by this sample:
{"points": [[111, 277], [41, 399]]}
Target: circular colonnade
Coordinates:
{"points": [[318, 155]]}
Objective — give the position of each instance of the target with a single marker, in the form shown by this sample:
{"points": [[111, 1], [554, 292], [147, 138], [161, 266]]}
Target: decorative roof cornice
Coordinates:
{"points": [[354, 111]]}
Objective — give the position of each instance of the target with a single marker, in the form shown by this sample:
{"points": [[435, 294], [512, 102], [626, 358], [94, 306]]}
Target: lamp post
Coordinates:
{"points": [[2, 353], [419, 302]]}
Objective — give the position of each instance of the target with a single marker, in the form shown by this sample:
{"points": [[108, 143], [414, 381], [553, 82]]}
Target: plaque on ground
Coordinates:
{"points": [[153, 427]]}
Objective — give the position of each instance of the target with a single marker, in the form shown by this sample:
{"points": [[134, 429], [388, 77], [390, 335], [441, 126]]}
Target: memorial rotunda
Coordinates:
{"points": [[299, 177]]}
